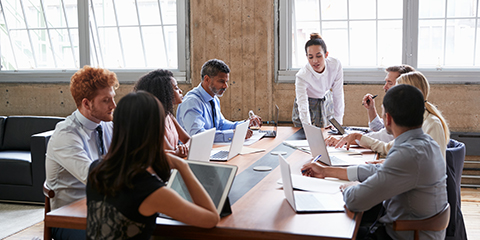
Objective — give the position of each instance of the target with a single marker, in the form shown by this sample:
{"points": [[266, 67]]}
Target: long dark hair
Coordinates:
{"points": [[137, 144], [159, 83]]}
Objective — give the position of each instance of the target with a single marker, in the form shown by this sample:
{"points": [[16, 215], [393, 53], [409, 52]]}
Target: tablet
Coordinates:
{"points": [[216, 178]]}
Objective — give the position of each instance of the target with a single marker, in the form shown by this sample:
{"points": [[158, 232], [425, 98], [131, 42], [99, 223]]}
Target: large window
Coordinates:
{"points": [[63, 35], [438, 37]]}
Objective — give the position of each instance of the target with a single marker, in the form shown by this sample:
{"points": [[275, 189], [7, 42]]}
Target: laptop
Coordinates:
{"points": [[307, 202], [316, 142], [216, 178], [273, 133], [342, 130], [201, 145], [235, 146]]}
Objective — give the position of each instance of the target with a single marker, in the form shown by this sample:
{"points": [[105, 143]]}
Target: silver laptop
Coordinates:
{"points": [[235, 146], [201, 145], [269, 133], [316, 142], [307, 202]]}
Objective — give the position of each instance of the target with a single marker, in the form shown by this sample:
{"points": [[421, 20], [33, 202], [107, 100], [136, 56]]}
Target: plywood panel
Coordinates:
{"points": [[236, 60], [263, 59]]}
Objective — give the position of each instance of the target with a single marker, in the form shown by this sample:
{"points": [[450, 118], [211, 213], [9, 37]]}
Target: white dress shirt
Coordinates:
{"points": [[310, 84], [71, 150]]}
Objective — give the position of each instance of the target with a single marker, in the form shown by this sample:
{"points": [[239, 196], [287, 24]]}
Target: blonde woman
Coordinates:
{"points": [[434, 124]]}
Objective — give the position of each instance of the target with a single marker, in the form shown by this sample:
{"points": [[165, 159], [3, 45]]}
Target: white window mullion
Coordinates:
{"points": [[83, 33], [410, 32]]}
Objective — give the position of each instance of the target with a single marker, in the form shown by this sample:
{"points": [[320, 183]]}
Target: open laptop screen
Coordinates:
{"points": [[216, 178]]}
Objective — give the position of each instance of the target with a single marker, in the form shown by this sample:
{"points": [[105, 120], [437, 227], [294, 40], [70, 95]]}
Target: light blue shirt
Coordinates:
{"points": [[194, 114], [71, 150], [411, 183]]}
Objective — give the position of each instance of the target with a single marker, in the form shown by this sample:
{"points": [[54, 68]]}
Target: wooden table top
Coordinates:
{"points": [[262, 212]]}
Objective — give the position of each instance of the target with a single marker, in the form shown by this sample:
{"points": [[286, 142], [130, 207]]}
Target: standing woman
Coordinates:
{"points": [[318, 83], [163, 85], [126, 190]]}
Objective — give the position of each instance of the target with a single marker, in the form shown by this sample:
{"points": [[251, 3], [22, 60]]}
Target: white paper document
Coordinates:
{"points": [[315, 184]]}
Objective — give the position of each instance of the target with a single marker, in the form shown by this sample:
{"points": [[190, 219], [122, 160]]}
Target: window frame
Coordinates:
{"points": [[123, 75], [284, 73]]}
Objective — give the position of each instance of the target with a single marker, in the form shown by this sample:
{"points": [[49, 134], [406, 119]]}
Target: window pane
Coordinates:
{"points": [[102, 13], [117, 46], [390, 9], [108, 46], [169, 11], [300, 37], [13, 14], [132, 47], [362, 9], [65, 56], [54, 13], [459, 42], [306, 10], [126, 12], [43, 45], [335, 35], [461, 8], [22, 50], [334, 9], [34, 14], [362, 49], [147, 9], [389, 43], [430, 43], [432, 8]]}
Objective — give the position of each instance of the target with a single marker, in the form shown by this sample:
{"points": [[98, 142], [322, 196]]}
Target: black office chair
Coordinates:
{"points": [[436, 223], [455, 157]]}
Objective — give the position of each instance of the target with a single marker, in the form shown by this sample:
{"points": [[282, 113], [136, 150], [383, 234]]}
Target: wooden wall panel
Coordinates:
{"points": [[240, 33]]}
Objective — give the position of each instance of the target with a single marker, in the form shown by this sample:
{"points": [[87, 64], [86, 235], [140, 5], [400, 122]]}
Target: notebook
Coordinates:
{"points": [[307, 202], [317, 147], [216, 178], [273, 133], [235, 146], [342, 130], [201, 145]]}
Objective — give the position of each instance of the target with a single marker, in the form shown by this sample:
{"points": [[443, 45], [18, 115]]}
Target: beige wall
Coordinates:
{"points": [[242, 34]]}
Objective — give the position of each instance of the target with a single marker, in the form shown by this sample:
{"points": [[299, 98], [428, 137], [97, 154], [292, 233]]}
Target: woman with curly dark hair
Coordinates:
{"points": [[163, 85]]}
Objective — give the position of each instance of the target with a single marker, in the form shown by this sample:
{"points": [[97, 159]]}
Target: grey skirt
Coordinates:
{"points": [[315, 106]]}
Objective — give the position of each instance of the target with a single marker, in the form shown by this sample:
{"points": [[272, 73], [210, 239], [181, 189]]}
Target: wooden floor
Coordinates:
{"points": [[470, 209]]}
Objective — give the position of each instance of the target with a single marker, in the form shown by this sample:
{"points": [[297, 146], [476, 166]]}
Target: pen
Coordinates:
{"points": [[314, 160], [368, 100]]}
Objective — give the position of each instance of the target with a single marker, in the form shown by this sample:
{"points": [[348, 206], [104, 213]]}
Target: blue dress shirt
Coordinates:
{"points": [[194, 114]]}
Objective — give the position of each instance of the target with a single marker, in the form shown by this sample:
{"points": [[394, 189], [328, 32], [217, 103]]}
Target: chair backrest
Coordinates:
{"points": [[49, 193], [455, 157], [437, 222]]}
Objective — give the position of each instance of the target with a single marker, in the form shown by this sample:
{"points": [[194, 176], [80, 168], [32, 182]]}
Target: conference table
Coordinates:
{"points": [[259, 207]]}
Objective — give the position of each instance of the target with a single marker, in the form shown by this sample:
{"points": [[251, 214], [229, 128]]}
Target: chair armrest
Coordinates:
{"points": [[38, 148], [437, 222]]}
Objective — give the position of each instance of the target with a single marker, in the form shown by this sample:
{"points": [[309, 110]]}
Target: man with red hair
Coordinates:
{"points": [[83, 137]]}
